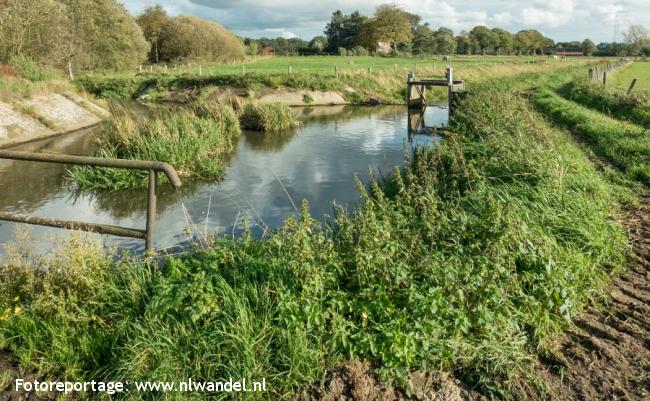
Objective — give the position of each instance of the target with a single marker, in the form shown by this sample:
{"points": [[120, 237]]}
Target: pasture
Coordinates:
{"points": [[639, 70], [327, 64]]}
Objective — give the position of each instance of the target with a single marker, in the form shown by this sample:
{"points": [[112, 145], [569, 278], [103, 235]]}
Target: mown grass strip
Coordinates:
{"points": [[624, 144], [469, 259], [634, 107]]}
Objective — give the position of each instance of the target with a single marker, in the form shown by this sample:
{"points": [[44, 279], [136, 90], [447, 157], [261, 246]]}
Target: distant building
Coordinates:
{"points": [[570, 53], [384, 48], [267, 50]]}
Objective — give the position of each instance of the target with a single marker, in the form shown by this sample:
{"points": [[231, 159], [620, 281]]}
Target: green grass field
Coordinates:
{"points": [[639, 70], [326, 64]]}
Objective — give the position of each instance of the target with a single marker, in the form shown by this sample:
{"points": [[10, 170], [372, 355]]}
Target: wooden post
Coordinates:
{"points": [[336, 71], [369, 70], [243, 70], [604, 77], [140, 68], [151, 68], [629, 90], [591, 73], [289, 70], [70, 70], [200, 70], [450, 90]]}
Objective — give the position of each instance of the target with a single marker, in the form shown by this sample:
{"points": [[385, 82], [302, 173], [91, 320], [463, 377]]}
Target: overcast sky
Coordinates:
{"points": [[562, 20]]}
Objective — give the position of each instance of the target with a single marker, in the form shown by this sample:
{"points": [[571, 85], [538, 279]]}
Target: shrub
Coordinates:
{"points": [[268, 117]]}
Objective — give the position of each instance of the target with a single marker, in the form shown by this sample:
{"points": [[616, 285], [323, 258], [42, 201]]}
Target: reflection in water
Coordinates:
{"points": [[265, 178], [419, 121]]}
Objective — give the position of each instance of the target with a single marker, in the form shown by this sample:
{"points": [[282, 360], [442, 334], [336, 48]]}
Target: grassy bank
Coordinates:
{"points": [[469, 259], [634, 107], [624, 144], [196, 140], [358, 87], [22, 78]]}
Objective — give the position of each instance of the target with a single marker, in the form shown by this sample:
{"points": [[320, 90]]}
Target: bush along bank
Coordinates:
{"points": [[634, 107], [469, 259], [196, 140]]}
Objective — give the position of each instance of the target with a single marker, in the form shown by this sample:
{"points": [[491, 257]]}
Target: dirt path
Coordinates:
{"points": [[607, 357]]}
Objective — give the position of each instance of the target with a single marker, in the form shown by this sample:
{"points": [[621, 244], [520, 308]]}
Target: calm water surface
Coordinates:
{"points": [[265, 179]]}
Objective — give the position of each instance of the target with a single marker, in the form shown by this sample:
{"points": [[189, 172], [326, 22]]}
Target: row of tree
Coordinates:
{"points": [[392, 30], [101, 34]]}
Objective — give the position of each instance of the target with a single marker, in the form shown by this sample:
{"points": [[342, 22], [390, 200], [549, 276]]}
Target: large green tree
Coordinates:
{"points": [[344, 31], [192, 38], [152, 21], [113, 38], [482, 37], [424, 41], [71, 34], [588, 47], [391, 25], [445, 41], [503, 40]]}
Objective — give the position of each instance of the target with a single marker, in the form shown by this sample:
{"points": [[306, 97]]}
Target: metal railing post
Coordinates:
{"points": [[151, 210], [152, 166]]}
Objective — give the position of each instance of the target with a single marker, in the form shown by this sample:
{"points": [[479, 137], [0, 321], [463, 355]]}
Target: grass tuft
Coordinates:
{"points": [[268, 117]]}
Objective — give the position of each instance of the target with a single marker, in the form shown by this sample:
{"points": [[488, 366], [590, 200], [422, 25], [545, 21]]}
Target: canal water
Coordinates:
{"points": [[265, 182]]}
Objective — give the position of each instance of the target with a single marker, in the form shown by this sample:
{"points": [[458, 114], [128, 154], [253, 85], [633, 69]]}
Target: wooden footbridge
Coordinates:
{"points": [[416, 89]]}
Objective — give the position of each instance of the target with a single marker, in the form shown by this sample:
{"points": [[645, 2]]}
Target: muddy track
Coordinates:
{"points": [[607, 356]]}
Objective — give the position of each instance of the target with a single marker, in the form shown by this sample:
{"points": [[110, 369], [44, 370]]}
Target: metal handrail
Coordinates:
{"points": [[152, 166]]}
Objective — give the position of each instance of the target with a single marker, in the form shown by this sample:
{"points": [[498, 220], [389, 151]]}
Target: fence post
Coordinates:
{"points": [[140, 68], [336, 71], [369, 70], [629, 90], [243, 70], [604, 77], [289, 70], [200, 71]]}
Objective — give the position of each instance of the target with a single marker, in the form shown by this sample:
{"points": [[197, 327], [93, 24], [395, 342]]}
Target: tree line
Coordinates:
{"points": [[391, 30], [78, 35]]}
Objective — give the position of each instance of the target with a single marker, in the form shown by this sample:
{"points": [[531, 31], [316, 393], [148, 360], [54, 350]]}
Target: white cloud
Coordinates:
{"points": [[559, 19]]}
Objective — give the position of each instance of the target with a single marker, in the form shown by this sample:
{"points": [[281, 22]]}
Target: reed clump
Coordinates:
{"points": [[197, 140], [268, 117]]}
